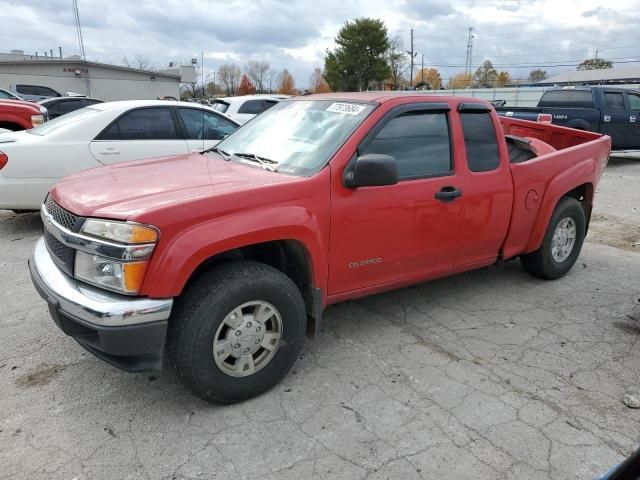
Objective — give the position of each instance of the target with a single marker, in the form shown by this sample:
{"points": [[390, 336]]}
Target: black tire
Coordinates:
{"points": [[203, 307], [541, 262]]}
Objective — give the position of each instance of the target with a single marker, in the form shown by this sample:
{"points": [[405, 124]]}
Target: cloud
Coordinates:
{"points": [[295, 34]]}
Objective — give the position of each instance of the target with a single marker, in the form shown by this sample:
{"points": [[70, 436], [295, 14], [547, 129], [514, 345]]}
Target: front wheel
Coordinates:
{"points": [[237, 331], [561, 244]]}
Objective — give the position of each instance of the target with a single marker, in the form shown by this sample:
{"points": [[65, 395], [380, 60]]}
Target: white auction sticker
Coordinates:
{"points": [[347, 108]]}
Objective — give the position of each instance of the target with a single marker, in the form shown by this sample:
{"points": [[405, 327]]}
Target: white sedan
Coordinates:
{"points": [[32, 161], [244, 108]]}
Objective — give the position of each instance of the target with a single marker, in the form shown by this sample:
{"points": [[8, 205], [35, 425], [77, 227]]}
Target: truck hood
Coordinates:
{"points": [[128, 190], [6, 102]]}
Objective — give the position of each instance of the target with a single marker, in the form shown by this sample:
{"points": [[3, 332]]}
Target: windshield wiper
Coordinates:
{"points": [[265, 163], [222, 153]]}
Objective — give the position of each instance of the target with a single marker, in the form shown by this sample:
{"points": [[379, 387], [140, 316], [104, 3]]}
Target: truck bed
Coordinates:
{"points": [[560, 156]]}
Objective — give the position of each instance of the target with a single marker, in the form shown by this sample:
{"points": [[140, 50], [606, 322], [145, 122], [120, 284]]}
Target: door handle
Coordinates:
{"points": [[448, 194], [110, 151]]}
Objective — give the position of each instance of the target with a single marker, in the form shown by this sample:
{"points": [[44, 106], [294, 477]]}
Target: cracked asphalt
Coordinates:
{"points": [[487, 375]]}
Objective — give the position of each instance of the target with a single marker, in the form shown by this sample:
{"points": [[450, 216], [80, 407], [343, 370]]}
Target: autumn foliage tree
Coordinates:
{"points": [[428, 78], [460, 80], [246, 87], [286, 83], [317, 83], [502, 79]]}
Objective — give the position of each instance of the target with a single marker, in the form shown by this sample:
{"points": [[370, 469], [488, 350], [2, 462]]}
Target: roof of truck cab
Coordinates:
{"points": [[382, 97]]}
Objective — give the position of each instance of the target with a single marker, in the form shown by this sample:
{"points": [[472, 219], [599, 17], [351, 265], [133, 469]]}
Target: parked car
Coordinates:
{"points": [[34, 92], [7, 95], [244, 108], [608, 110], [19, 115], [61, 105], [320, 199], [102, 134]]}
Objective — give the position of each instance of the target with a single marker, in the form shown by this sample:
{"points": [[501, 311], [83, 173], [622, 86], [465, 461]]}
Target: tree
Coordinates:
{"points": [[286, 84], [537, 75], [359, 58], [257, 72], [460, 80], [595, 64], [229, 74], [246, 87], [485, 75], [271, 77], [428, 78], [397, 59], [502, 79], [317, 83], [140, 62]]}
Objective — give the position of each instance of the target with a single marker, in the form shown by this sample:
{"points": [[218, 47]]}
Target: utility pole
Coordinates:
{"points": [[412, 56], [597, 53], [468, 62], [422, 70], [202, 72]]}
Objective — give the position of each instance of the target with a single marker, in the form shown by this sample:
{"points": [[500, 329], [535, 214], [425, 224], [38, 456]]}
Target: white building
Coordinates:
{"points": [[98, 80]]}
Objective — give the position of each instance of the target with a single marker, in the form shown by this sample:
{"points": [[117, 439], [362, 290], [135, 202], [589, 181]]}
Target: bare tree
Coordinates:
{"points": [[230, 74], [317, 83], [140, 62], [257, 73], [397, 60], [271, 77]]}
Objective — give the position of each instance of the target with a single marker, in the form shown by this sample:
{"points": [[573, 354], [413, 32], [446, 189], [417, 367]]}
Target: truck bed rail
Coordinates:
{"points": [[554, 135]]}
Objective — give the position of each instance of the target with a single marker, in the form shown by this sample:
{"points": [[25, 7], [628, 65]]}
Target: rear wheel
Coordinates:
{"points": [[561, 244], [237, 331]]}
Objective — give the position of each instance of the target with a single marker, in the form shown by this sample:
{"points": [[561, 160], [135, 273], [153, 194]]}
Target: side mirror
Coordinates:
{"points": [[371, 170]]}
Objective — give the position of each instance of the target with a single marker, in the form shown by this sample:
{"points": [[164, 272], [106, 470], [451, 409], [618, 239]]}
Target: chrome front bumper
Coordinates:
{"points": [[92, 305]]}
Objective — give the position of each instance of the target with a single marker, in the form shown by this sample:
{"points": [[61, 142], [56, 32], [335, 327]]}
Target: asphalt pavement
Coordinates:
{"points": [[491, 374]]}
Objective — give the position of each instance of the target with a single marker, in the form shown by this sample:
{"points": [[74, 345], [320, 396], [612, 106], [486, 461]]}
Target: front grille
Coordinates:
{"points": [[63, 217], [56, 248]]}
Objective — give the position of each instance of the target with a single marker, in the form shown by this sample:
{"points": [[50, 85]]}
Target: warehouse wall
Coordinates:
{"points": [[104, 83]]}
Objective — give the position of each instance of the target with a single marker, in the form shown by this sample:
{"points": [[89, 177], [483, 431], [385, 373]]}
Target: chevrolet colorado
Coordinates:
{"points": [[225, 260]]}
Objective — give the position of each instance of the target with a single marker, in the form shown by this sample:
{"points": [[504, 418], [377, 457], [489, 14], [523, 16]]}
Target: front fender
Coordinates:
{"points": [[10, 118], [579, 174], [175, 260]]}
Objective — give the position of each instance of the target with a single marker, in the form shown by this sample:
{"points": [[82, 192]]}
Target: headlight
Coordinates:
{"points": [[43, 110], [123, 277], [123, 274], [37, 120], [121, 232]]}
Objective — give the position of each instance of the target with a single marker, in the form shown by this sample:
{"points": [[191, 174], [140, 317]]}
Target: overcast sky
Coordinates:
{"points": [[295, 34]]}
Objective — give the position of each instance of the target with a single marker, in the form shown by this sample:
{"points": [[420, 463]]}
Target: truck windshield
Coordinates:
{"points": [[298, 137]]}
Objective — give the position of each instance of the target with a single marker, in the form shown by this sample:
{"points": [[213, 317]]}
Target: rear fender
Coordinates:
{"points": [[189, 247], [562, 184]]}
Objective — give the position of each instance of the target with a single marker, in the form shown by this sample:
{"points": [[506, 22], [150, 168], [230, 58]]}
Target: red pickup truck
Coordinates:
{"points": [[18, 115], [225, 260]]}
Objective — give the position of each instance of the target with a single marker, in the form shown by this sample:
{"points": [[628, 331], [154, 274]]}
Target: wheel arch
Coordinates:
{"points": [[563, 185]]}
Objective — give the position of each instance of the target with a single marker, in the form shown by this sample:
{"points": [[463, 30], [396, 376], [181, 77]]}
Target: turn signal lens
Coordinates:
{"points": [[140, 234], [37, 120], [3, 160], [133, 274]]}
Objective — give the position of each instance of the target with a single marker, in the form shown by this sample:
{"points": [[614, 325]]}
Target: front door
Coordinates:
{"points": [[203, 129], [384, 234]]}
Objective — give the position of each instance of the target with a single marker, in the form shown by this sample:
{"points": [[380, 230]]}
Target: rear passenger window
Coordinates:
{"points": [[253, 107], [614, 100], [143, 124], [567, 99], [419, 141], [480, 141], [634, 101]]}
